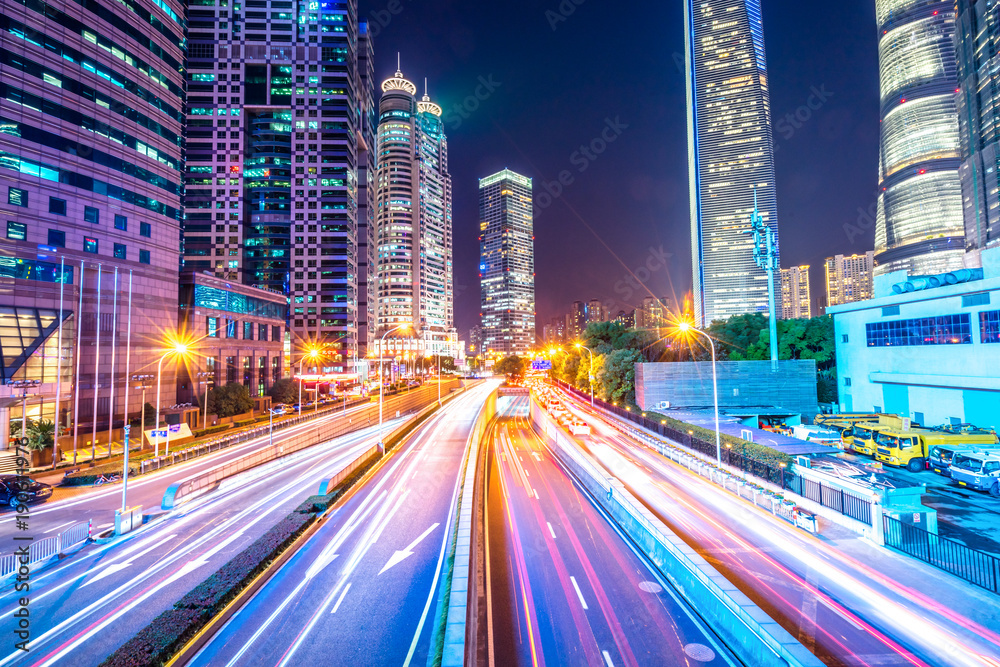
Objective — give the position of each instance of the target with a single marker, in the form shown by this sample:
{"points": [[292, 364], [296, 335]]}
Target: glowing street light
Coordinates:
{"points": [[312, 355], [686, 328], [179, 348]]}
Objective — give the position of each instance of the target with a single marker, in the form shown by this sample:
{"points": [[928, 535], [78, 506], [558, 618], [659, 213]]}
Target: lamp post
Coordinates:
{"points": [[204, 377], [178, 349], [591, 373], [312, 354], [685, 327], [142, 378], [381, 386]]}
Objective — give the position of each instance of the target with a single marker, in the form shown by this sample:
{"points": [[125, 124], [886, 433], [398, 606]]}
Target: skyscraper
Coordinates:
{"points": [[849, 278], [506, 263], [91, 113], [977, 44], [730, 154], [919, 225], [278, 97], [595, 311], [796, 299], [414, 219]]}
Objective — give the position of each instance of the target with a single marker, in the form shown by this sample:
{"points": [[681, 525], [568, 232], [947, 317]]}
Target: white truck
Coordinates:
{"points": [[978, 470]]}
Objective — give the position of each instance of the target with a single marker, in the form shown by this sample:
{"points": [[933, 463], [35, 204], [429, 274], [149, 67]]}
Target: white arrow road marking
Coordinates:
{"points": [[408, 551], [112, 568]]}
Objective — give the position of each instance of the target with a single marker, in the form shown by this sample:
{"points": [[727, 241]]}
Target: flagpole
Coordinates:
{"points": [[59, 350], [114, 349], [128, 348], [76, 393], [97, 370]]}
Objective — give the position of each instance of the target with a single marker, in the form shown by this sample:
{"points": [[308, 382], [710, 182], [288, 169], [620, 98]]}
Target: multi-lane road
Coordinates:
{"points": [[564, 587], [843, 610], [368, 586]]}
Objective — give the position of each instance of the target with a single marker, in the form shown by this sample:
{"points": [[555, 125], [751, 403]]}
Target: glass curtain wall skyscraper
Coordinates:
{"points": [[977, 43], [919, 223], [279, 96], [92, 98], [414, 220], [506, 264], [730, 154]]}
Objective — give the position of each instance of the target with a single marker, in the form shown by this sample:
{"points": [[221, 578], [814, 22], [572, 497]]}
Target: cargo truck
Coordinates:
{"points": [[977, 470], [911, 448]]}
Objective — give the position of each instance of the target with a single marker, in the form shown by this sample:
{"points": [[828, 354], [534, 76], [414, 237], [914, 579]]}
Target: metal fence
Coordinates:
{"points": [[977, 567], [47, 548], [845, 502]]}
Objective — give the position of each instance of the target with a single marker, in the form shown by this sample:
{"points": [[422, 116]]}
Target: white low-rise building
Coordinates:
{"points": [[926, 347]]}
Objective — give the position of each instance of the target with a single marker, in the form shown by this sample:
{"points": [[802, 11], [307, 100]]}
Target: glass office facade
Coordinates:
{"points": [[919, 224], [730, 154]]}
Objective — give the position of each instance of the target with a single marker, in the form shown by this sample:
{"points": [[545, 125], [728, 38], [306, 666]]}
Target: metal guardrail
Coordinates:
{"points": [[202, 481], [977, 567], [47, 548], [839, 500]]}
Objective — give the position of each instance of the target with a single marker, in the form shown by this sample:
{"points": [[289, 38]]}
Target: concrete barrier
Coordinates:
{"points": [[328, 484], [458, 601], [746, 629]]}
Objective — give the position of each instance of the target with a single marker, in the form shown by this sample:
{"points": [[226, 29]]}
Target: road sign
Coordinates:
{"points": [[541, 365]]}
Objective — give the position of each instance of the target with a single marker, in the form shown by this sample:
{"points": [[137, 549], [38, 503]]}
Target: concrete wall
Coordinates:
{"points": [[742, 384]]}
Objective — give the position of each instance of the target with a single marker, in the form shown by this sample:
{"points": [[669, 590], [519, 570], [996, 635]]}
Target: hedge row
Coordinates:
{"points": [[751, 450], [89, 476], [211, 430], [155, 644], [244, 422]]}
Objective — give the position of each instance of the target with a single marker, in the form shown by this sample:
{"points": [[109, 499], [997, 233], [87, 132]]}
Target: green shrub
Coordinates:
{"points": [[244, 422], [211, 430], [751, 450]]}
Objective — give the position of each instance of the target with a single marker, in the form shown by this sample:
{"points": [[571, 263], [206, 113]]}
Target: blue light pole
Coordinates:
{"points": [[765, 254]]}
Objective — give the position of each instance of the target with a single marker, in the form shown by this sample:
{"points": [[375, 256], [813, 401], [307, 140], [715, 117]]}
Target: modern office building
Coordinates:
{"points": [[91, 112], [506, 263], [276, 196], [576, 321], [927, 350], [239, 334], [849, 278], [730, 154], [413, 222], [977, 46], [919, 222], [796, 298]]}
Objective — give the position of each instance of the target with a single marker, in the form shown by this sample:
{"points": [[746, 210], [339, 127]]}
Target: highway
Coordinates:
{"points": [[367, 587], [564, 586], [87, 606], [843, 610]]}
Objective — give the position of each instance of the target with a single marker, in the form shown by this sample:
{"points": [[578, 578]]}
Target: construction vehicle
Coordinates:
{"points": [[861, 437], [844, 420], [910, 448], [978, 470]]}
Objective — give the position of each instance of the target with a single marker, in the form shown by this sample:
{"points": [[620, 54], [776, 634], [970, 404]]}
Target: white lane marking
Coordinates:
{"points": [[578, 593], [535, 492], [551, 532], [537, 457], [62, 525], [341, 598], [408, 551], [607, 659]]}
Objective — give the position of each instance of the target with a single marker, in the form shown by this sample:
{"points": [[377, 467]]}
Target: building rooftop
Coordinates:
{"points": [[729, 422]]}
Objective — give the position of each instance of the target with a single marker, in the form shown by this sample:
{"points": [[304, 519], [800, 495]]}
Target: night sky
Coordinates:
{"points": [[544, 92]]}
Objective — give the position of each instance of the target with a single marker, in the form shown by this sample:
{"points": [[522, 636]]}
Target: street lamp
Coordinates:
{"points": [[686, 327], [179, 348], [204, 377], [270, 425], [381, 386], [312, 354], [142, 413], [591, 373]]}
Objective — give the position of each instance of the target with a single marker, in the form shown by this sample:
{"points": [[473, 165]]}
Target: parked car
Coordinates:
{"points": [[30, 490]]}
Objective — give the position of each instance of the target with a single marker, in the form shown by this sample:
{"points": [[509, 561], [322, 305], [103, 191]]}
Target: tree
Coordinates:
{"points": [[513, 367], [615, 379], [231, 399], [150, 416], [284, 390]]}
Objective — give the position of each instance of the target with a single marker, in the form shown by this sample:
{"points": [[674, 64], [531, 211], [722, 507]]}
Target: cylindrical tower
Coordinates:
{"points": [[919, 225]]}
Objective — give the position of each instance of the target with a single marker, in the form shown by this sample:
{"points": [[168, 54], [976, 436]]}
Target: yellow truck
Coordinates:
{"points": [[844, 420], [861, 437], [910, 448]]}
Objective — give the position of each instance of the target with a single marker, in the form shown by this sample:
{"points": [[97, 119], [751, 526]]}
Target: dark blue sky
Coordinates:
{"points": [[552, 90]]}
